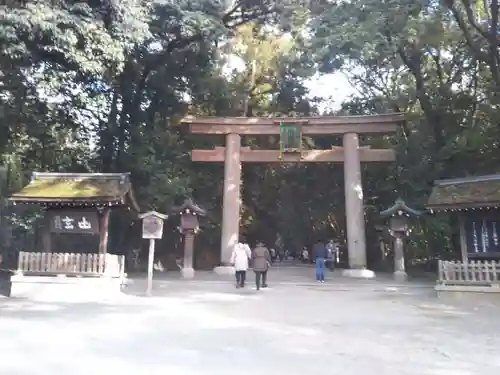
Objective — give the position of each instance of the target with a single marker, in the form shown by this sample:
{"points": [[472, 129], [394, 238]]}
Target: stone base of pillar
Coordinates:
{"points": [[359, 273], [400, 276], [224, 270], [187, 273]]}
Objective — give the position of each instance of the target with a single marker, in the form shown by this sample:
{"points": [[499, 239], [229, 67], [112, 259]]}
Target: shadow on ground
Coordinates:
{"points": [[208, 327]]}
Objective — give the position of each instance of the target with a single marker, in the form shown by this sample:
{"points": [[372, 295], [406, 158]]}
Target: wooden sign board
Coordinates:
{"points": [[152, 227], [74, 221], [290, 137]]}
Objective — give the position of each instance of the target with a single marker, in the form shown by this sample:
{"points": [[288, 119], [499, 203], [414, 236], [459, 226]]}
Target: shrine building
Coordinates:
{"points": [[476, 203], [77, 208]]}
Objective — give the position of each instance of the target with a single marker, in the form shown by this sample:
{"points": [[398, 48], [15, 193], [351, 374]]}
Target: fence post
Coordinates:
{"points": [[487, 271]]}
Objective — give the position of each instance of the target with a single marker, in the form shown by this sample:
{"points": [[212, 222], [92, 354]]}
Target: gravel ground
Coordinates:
{"points": [[206, 326]]}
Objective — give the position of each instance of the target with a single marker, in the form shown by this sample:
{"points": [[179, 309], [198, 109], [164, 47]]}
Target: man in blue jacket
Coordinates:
{"points": [[320, 255]]}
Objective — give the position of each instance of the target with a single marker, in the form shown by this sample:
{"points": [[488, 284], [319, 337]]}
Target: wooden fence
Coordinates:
{"points": [[473, 273], [71, 264]]}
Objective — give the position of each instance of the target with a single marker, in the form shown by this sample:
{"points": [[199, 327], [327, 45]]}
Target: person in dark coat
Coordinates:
{"points": [[320, 255], [261, 260]]}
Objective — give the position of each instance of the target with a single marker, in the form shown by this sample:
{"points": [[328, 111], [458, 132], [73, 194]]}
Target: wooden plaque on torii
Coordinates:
{"points": [[291, 131]]}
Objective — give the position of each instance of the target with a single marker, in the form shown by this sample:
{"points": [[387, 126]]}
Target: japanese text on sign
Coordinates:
{"points": [[74, 222]]}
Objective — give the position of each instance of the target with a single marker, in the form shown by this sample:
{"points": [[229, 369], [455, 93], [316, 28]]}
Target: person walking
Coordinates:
{"points": [[239, 259], [261, 261], [331, 254], [320, 254], [305, 255], [273, 254], [281, 253]]}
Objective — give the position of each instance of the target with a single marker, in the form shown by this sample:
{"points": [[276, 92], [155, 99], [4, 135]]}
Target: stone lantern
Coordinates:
{"points": [[189, 227], [399, 227]]}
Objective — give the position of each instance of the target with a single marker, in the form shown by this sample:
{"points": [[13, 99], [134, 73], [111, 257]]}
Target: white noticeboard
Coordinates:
{"points": [[152, 227]]}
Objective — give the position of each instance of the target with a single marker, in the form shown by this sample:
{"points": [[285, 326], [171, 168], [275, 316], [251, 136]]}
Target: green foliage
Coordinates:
{"points": [[432, 61], [101, 86]]}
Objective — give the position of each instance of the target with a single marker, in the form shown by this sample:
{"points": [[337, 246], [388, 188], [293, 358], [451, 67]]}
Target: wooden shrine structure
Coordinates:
{"points": [[475, 202], [77, 204], [291, 131], [74, 243]]}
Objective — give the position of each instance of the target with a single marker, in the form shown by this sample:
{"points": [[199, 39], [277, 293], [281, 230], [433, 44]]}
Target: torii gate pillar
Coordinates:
{"points": [[231, 197], [354, 208]]}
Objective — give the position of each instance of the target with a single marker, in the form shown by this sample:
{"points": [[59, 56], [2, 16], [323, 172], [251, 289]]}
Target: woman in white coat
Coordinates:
{"points": [[239, 258]]}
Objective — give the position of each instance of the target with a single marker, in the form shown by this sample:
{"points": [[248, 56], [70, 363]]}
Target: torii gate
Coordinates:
{"points": [[291, 131]]}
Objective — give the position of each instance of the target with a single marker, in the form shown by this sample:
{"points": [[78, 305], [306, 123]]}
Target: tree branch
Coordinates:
{"points": [[473, 46], [472, 19], [432, 115]]}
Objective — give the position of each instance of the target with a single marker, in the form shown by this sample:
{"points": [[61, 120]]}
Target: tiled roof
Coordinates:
{"points": [[400, 208], [467, 192], [75, 187], [190, 205]]}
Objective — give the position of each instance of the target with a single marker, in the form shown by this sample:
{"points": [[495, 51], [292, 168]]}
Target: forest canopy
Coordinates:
{"points": [[100, 86]]}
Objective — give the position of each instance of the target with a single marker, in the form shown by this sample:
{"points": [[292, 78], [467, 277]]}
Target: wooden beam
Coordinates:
{"points": [[377, 128], [386, 123], [335, 155], [46, 233], [463, 238], [104, 231], [317, 120]]}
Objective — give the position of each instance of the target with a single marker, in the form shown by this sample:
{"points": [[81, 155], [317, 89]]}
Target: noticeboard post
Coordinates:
{"points": [[152, 229]]}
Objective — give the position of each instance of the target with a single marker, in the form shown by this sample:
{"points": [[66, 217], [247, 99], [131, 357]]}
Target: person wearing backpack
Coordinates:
{"points": [[261, 261], [320, 255]]}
